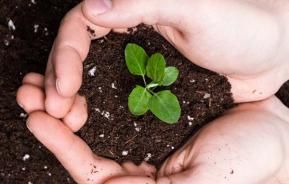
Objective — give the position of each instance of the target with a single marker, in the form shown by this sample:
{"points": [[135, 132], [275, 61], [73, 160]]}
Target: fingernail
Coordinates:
{"points": [[20, 105], [57, 83], [27, 125], [97, 7]]}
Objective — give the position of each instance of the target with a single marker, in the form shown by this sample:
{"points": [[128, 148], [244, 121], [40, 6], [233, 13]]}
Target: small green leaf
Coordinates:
{"points": [[171, 75], [138, 101], [156, 67], [135, 58], [165, 106]]}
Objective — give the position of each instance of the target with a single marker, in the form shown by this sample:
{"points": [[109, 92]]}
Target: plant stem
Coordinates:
{"points": [[150, 91], [144, 80]]}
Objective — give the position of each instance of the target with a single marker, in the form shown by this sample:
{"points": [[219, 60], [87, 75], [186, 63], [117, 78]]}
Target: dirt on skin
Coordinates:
{"points": [[24, 160]]}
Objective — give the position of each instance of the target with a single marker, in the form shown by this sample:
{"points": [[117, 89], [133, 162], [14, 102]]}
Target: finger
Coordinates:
{"points": [[255, 89], [142, 170], [71, 48], [55, 104], [34, 79], [131, 180], [77, 116], [181, 178], [30, 97], [129, 13], [70, 150]]}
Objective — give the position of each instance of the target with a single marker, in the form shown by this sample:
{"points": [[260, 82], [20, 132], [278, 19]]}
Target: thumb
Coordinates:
{"points": [[130, 13]]}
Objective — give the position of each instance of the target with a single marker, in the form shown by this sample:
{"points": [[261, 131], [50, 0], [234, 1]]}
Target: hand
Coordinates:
{"points": [[63, 75], [58, 137], [248, 145], [247, 41]]}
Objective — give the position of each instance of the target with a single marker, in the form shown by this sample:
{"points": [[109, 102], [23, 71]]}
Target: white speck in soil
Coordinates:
{"points": [[124, 153], [6, 43], [184, 102], [137, 129], [23, 168], [97, 109], [190, 118], [106, 114], [101, 135], [45, 167], [49, 174], [100, 89], [206, 79], [115, 96], [92, 71], [29, 182], [46, 33], [148, 157], [23, 115], [11, 25], [36, 26], [172, 147], [113, 86], [12, 37], [33, 1], [207, 95], [190, 123], [26, 157], [192, 81]]}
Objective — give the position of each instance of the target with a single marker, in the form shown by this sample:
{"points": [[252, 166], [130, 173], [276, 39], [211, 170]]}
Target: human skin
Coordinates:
{"points": [[249, 144], [247, 41]]}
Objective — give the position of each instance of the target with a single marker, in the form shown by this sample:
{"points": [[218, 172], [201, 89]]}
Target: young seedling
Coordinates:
{"points": [[163, 104]]}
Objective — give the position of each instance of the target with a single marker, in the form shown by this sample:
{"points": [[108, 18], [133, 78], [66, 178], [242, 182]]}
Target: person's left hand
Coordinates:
{"points": [[63, 76], [58, 136], [248, 145]]}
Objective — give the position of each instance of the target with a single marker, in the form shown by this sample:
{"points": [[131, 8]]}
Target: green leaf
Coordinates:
{"points": [[156, 67], [171, 75], [138, 101], [135, 58], [165, 106]]}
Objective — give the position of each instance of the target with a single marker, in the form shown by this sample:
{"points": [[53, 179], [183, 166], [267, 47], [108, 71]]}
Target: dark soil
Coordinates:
{"points": [[111, 129], [23, 50]]}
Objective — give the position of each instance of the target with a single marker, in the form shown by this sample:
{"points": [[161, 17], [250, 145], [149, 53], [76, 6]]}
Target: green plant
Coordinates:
{"points": [[163, 104]]}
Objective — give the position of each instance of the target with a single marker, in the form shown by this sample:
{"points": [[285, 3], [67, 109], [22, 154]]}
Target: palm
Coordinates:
{"points": [[242, 147]]}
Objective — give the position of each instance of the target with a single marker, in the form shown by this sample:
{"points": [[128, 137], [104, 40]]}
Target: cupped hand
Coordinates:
{"points": [[247, 41], [248, 145], [63, 75], [58, 136]]}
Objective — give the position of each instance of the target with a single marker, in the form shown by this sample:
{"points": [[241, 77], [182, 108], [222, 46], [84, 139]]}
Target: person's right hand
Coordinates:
{"points": [[247, 41], [248, 145]]}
